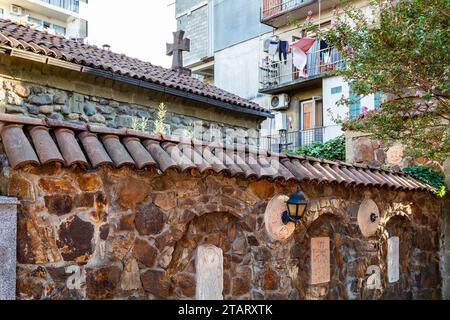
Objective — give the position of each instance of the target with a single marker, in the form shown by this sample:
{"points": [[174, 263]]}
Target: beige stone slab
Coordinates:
{"points": [[320, 260]]}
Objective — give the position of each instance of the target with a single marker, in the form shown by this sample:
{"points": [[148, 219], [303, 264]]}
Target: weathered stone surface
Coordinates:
{"points": [[263, 189], [84, 200], [89, 182], [75, 240], [40, 99], [320, 260], [132, 192], [104, 232], [145, 253], [270, 280], [55, 185], [36, 241], [56, 116], [14, 109], [393, 259], [127, 222], [154, 282], [124, 121], [131, 279], [46, 109], [187, 188], [186, 283], [21, 90], [97, 118], [60, 97], [8, 244], [363, 150], [59, 204], [20, 188], [89, 109], [29, 289], [241, 285], [150, 220], [209, 271], [102, 283], [166, 201], [119, 245]]}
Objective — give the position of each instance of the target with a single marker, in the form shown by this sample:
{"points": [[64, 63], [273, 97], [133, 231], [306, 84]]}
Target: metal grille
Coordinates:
{"points": [[292, 140]]}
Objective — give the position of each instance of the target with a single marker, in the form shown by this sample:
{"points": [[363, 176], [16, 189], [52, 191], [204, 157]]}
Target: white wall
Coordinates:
{"points": [[236, 69], [332, 110]]}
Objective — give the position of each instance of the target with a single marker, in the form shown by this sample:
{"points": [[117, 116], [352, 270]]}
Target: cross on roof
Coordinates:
{"points": [[176, 49]]}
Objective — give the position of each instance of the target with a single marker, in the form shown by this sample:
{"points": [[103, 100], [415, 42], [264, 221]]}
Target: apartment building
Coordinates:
{"points": [[63, 17], [246, 60]]}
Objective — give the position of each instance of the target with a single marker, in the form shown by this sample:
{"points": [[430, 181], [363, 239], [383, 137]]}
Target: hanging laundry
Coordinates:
{"points": [[274, 45], [283, 50], [299, 50], [313, 64]]}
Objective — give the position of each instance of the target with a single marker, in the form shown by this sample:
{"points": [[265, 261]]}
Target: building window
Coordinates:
{"points": [[354, 104], [59, 29], [377, 100], [36, 21], [336, 90]]}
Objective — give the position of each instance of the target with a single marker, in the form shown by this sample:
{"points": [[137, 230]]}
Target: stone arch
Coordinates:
{"points": [[398, 226], [331, 226], [225, 231]]}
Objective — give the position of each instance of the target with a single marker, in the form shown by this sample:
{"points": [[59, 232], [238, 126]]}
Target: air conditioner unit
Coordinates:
{"points": [[280, 121], [280, 102], [16, 10]]}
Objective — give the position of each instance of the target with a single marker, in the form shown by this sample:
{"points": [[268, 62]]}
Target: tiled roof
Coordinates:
{"points": [[45, 141], [24, 38]]}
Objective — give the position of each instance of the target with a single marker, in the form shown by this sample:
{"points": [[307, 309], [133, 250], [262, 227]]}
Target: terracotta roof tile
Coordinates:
{"points": [[25, 38], [164, 153]]}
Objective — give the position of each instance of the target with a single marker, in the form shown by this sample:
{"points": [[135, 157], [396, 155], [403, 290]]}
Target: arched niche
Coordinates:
{"points": [[222, 230], [398, 226], [332, 227]]}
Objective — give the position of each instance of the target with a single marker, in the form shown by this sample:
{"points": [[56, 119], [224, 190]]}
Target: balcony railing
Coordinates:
{"points": [[271, 8], [71, 5], [278, 74], [292, 140]]}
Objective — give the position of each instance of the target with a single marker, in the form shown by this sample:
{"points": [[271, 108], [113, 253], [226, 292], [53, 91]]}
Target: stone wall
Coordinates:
{"points": [[37, 90], [127, 235], [361, 148]]}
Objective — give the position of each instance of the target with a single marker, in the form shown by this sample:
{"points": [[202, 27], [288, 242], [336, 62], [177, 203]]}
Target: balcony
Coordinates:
{"points": [[292, 140], [280, 76], [275, 13], [71, 5]]}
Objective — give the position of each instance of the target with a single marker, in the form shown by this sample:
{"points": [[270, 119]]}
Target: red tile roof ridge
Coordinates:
{"points": [[93, 141], [90, 56]]}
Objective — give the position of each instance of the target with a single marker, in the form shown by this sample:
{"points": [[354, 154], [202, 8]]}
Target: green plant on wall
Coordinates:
{"points": [[140, 124], [333, 150], [429, 176], [159, 126]]}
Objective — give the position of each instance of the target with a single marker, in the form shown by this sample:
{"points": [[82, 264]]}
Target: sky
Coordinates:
{"points": [[138, 28]]}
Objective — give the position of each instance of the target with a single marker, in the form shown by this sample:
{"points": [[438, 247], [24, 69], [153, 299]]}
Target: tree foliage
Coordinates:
{"points": [[429, 176], [399, 48]]}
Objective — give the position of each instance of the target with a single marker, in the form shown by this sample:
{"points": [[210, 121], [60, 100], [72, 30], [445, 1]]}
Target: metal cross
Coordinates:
{"points": [[176, 49]]}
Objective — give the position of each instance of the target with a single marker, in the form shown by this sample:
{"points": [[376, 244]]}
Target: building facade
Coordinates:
{"points": [[62, 17], [305, 106]]}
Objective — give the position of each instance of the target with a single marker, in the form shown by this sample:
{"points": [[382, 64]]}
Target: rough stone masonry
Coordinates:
{"points": [[121, 234]]}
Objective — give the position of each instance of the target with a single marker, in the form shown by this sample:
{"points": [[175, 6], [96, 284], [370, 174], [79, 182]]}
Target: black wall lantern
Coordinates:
{"points": [[296, 207]]}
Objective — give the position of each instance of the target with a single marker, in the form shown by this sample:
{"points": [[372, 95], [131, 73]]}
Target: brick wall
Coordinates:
{"points": [[196, 26]]}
